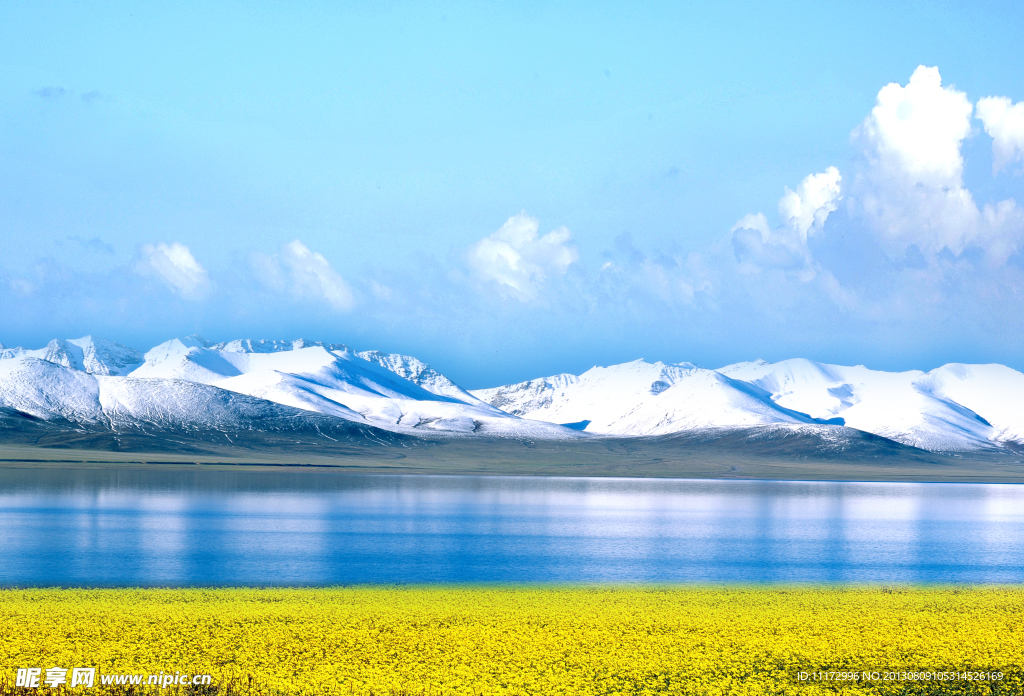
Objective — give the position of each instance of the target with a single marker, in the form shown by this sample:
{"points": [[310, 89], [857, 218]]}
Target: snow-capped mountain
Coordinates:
{"points": [[193, 385], [44, 391], [419, 373], [640, 398], [99, 384], [336, 381], [952, 408], [909, 407], [96, 356]]}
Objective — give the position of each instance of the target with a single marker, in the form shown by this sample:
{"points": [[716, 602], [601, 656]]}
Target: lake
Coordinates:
{"points": [[162, 527]]}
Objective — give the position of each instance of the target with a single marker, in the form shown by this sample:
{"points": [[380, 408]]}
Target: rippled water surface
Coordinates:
{"points": [[215, 527]]}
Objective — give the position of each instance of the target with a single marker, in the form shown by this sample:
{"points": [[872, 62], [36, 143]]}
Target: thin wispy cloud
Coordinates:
{"points": [[301, 273], [175, 265], [94, 244], [51, 92], [93, 96]]}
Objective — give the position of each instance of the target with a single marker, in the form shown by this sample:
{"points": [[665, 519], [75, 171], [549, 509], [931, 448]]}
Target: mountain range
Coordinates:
{"points": [[192, 387]]}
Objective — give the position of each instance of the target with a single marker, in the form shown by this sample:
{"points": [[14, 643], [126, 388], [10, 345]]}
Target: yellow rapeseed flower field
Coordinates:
{"points": [[527, 640]]}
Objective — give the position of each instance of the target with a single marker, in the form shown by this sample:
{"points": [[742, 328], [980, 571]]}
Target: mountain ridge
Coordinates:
{"points": [[941, 410], [192, 385]]}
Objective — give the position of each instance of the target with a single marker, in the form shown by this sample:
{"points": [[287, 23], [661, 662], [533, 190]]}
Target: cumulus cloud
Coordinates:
{"points": [[518, 260], [915, 132], [1004, 121], [175, 265], [806, 209], [757, 245], [911, 190], [303, 273], [912, 239]]}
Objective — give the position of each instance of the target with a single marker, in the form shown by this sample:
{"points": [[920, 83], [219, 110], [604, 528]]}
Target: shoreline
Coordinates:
{"points": [[644, 460]]}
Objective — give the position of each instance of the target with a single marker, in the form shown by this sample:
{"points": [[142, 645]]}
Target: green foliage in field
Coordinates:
{"points": [[575, 641]]}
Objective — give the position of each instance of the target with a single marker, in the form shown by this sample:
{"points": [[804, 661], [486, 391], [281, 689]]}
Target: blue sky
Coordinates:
{"points": [[513, 190]]}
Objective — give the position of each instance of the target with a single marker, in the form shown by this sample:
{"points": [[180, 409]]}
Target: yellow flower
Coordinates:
{"points": [[527, 640]]}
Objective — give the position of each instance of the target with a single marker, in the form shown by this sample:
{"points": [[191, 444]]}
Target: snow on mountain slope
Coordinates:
{"points": [[178, 405], [901, 406], [333, 366], [289, 390], [418, 372], [49, 391], [546, 398], [327, 379], [248, 345], [596, 396], [641, 398], [103, 357], [953, 408], [702, 399], [994, 392], [802, 385], [74, 399], [333, 380], [188, 359], [97, 356], [192, 383]]}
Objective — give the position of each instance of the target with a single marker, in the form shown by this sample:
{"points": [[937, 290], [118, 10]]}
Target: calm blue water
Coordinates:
{"points": [[182, 528]]}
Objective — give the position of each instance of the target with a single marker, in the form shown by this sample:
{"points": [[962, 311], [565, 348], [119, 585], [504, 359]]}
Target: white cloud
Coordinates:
{"points": [[912, 190], [915, 132], [520, 261], [804, 211], [807, 208], [1004, 121], [756, 246], [297, 270], [176, 266]]}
